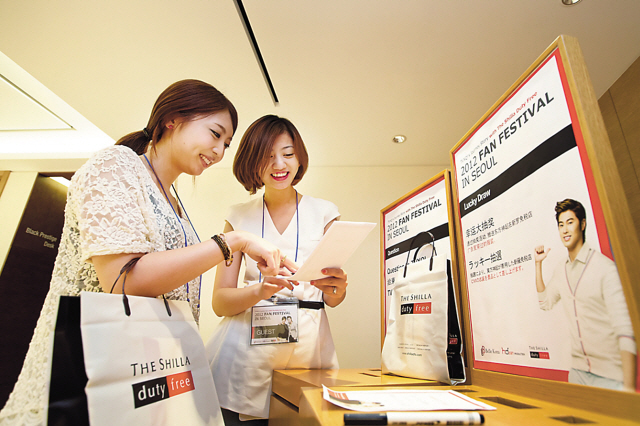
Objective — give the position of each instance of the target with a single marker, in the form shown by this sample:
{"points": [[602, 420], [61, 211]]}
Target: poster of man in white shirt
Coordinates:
{"points": [[587, 285]]}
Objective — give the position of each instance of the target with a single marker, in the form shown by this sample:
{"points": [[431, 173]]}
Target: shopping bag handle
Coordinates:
{"points": [[415, 255], [125, 301]]}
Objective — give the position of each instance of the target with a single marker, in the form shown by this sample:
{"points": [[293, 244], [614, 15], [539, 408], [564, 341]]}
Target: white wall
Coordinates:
{"points": [[360, 193]]}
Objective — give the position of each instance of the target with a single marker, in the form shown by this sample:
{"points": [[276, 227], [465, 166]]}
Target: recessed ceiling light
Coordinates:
{"points": [[570, 2], [399, 139]]}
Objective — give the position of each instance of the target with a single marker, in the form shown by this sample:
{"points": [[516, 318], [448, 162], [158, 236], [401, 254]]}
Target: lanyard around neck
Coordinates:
{"points": [[297, 228], [176, 214]]}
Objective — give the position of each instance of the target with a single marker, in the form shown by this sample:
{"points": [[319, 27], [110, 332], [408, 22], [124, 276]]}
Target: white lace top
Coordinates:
{"points": [[113, 207]]}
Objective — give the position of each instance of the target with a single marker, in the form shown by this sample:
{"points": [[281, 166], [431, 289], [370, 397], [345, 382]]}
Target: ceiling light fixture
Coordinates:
{"points": [[399, 139], [570, 2], [256, 50]]}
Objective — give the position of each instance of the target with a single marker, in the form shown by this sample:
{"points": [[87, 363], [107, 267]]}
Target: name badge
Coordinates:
{"points": [[274, 322]]}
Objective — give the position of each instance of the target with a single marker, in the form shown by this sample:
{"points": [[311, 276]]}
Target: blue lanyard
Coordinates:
{"points": [[297, 228], [179, 220]]}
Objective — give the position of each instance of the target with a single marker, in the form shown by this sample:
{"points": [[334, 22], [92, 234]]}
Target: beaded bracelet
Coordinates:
{"points": [[224, 247]]}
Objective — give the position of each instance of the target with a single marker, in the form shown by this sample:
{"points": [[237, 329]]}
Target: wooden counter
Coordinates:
{"points": [[288, 384], [297, 400]]}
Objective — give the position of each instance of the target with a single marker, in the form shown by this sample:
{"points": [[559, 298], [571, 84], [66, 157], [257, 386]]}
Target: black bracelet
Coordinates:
{"points": [[224, 247]]}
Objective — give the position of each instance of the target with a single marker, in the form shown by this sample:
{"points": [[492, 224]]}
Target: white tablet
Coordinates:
{"points": [[334, 249]]}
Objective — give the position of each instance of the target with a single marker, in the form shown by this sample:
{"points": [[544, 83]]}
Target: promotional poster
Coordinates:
{"points": [[425, 209], [513, 174]]}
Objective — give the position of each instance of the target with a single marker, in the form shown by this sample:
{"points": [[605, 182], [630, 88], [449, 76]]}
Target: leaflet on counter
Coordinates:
{"points": [[403, 400]]}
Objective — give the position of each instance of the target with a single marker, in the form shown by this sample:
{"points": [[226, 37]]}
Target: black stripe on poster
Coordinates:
{"points": [[543, 154], [439, 232]]}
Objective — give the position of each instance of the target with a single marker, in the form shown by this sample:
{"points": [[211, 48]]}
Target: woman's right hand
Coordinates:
{"points": [[271, 285], [270, 260], [228, 299]]}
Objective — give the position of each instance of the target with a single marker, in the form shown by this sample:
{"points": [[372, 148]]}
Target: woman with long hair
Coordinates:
{"points": [[120, 207]]}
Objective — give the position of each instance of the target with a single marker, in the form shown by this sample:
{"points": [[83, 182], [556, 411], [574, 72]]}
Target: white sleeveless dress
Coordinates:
{"points": [[242, 373]]}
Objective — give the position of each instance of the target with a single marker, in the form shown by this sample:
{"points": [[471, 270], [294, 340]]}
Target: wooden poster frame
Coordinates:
{"points": [[446, 175], [619, 223]]}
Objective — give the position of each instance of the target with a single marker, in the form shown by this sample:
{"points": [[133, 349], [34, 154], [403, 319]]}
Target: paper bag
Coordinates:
{"points": [[423, 335], [146, 368]]}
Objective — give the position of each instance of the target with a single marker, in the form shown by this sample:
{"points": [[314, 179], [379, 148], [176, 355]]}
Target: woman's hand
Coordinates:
{"points": [[271, 285], [228, 299], [334, 287], [270, 260]]}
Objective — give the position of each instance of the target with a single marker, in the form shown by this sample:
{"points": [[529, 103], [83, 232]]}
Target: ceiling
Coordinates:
{"points": [[350, 74]]}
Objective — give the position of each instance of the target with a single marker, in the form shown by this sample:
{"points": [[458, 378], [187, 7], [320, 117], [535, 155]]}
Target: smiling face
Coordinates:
{"points": [[198, 144], [570, 229], [282, 165]]}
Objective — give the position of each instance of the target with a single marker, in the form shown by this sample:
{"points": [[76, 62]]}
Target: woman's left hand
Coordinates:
{"points": [[334, 287]]}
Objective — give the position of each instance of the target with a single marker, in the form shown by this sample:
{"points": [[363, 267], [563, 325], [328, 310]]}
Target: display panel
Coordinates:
{"points": [[514, 174], [426, 208]]}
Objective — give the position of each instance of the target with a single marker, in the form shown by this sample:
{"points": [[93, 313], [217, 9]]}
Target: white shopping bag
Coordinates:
{"points": [[423, 335], [146, 368]]}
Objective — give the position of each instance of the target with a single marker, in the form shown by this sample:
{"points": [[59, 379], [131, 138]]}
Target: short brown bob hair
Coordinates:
{"points": [[255, 148]]}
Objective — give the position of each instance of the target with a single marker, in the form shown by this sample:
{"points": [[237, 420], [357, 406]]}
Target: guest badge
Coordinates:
{"points": [[274, 321]]}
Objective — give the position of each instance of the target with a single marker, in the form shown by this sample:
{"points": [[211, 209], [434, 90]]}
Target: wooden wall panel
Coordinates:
{"points": [[625, 93], [620, 107]]}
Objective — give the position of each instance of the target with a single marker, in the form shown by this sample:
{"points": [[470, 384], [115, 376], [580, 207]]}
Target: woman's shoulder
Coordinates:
{"points": [[115, 156], [113, 153], [320, 210], [247, 206], [115, 163], [320, 204], [242, 210], [119, 153]]}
